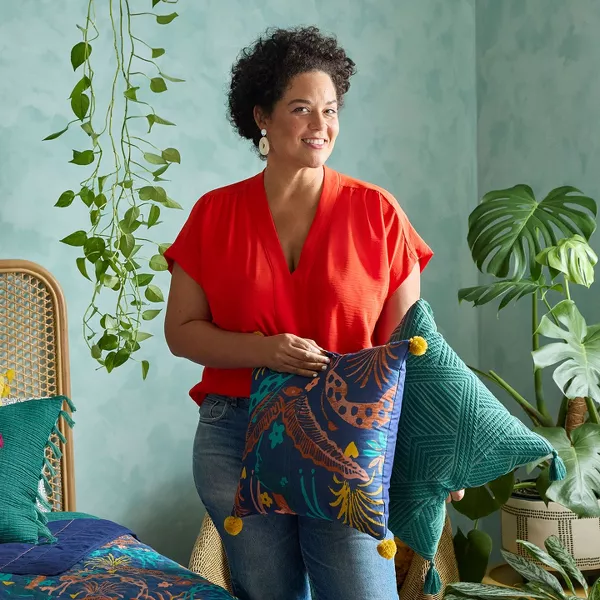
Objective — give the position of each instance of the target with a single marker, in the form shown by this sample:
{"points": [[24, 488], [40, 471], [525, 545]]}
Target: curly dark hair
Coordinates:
{"points": [[264, 70]]}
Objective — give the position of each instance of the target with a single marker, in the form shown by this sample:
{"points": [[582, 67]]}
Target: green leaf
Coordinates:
{"points": [[126, 244], [154, 193], [166, 19], [83, 158], [170, 203], [79, 54], [162, 248], [531, 572], [87, 196], [573, 257], [155, 119], [509, 228], [479, 590], [82, 268], [158, 85], [128, 226], [101, 181], [159, 172], [148, 315], [109, 361], [93, 248], [482, 501], [472, 554], [155, 2], [96, 352], [100, 269], [154, 215], [595, 591], [121, 357], [83, 84], [80, 105], [145, 368], [114, 283], [173, 79], [580, 489], [510, 290], [100, 200], [154, 159], [154, 294], [130, 93], [77, 238], [66, 199], [156, 52], [108, 341], [141, 336], [143, 279], [127, 183], [546, 559], [558, 552], [94, 217], [108, 322], [579, 352], [171, 155], [53, 136], [158, 263]]}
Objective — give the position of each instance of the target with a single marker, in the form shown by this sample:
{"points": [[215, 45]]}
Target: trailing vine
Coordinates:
{"points": [[121, 193]]}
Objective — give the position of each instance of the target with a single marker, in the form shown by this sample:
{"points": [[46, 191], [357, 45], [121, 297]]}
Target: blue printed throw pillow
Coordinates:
{"points": [[324, 447]]}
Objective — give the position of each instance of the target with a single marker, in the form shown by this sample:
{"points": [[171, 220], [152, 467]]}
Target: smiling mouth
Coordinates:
{"points": [[315, 142]]}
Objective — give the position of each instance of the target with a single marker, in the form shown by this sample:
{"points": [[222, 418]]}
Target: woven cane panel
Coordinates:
{"points": [[28, 344]]}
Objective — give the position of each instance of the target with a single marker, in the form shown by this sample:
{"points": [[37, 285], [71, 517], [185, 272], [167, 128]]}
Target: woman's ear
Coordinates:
{"points": [[259, 117]]}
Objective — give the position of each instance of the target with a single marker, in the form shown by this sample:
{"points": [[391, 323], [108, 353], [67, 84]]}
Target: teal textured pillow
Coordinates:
{"points": [[453, 434], [26, 428]]}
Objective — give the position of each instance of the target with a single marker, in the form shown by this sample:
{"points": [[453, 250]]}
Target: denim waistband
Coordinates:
{"points": [[233, 400]]}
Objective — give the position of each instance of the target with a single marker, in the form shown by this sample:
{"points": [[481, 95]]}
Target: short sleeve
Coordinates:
{"points": [[186, 249], [405, 247]]}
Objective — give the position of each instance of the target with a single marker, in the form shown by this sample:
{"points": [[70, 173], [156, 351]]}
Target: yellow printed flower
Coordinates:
{"points": [[5, 381], [266, 500]]}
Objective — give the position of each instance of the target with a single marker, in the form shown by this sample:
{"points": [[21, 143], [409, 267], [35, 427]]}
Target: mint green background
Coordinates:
{"points": [[450, 100]]}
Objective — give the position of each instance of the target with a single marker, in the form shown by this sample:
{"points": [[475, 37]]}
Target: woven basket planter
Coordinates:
{"points": [[529, 519]]}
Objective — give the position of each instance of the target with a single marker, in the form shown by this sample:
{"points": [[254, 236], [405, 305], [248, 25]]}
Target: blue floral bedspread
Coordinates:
{"points": [[124, 569]]}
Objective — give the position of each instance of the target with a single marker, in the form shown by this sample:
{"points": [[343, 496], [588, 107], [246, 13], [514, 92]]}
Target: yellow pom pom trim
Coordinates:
{"points": [[387, 549], [417, 345], [233, 525]]}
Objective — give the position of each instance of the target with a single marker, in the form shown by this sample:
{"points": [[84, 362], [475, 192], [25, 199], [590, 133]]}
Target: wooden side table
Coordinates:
{"points": [[505, 575]]}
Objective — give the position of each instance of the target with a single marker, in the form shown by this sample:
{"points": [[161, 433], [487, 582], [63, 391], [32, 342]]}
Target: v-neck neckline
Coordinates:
{"points": [[268, 230]]}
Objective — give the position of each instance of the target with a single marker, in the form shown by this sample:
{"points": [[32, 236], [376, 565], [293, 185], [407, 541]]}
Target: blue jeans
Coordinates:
{"points": [[275, 557]]}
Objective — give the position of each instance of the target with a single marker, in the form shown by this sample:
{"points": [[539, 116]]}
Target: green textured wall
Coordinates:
{"points": [[409, 125], [538, 94]]}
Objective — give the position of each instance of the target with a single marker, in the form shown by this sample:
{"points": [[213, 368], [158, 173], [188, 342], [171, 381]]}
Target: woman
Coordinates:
{"points": [[311, 260]]}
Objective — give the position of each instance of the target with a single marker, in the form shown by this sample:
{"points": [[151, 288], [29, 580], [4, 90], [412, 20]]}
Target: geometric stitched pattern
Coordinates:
{"points": [[453, 434]]}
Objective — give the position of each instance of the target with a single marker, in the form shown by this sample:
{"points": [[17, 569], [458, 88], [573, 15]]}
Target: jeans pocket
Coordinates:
{"points": [[213, 408]]}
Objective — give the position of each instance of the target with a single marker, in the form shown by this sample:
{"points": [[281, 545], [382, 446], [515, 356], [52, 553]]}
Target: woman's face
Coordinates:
{"points": [[303, 126]]}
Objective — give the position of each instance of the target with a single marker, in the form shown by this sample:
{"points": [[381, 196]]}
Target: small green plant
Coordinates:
{"points": [[121, 191], [538, 250], [538, 584]]}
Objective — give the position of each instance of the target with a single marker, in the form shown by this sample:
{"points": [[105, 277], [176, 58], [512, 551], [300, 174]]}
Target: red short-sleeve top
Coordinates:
{"points": [[359, 249]]}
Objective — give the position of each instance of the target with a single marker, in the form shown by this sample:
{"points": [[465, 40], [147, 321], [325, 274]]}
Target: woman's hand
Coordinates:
{"points": [[456, 496], [288, 353]]}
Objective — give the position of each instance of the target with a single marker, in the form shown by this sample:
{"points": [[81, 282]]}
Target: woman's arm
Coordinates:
{"points": [[397, 306], [190, 333]]}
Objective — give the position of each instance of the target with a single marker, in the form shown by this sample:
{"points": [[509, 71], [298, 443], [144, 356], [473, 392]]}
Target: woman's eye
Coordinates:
{"points": [[300, 109], [331, 111]]}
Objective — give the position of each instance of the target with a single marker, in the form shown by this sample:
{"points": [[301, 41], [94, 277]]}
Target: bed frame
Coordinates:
{"points": [[34, 342]]}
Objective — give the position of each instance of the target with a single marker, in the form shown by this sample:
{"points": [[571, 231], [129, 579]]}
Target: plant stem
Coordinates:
{"points": [[537, 373], [525, 485], [567, 291], [592, 410], [562, 413]]}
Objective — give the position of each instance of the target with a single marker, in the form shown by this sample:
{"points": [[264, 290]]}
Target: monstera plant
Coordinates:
{"points": [[538, 250]]}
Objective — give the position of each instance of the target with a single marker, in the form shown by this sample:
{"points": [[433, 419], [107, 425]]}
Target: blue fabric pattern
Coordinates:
{"points": [[323, 447]]}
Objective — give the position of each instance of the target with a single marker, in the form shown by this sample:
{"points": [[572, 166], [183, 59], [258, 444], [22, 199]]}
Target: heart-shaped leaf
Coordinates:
{"points": [[82, 85], [156, 52], [166, 19], [482, 501], [573, 257], [145, 369], [53, 136], [580, 489], [77, 238], [154, 294], [148, 315], [143, 279], [171, 155], [80, 53], [154, 215], [154, 159], [158, 263], [66, 199], [509, 228], [83, 158], [158, 85], [472, 554], [155, 119], [578, 375], [80, 105]]}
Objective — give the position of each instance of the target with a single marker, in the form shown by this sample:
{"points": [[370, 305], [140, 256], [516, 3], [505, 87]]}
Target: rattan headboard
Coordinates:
{"points": [[33, 342]]}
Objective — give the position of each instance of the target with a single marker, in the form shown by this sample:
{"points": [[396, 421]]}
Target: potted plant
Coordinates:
{"points": [[538, 582], [538, 251]]}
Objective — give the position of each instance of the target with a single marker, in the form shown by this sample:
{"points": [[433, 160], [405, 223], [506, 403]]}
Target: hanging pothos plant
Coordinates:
{"points": [[122, 191]]}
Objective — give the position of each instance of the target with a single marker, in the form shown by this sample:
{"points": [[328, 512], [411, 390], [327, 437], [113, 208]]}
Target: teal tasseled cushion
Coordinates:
{"points": [[453, 434], [25, 429]]}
